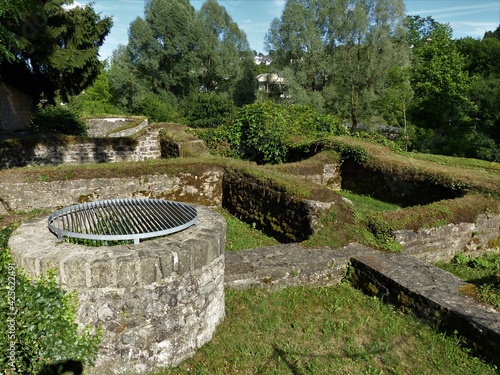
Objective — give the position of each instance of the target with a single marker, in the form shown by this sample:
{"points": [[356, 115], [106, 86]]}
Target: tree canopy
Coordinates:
{"points": [[49, 48], [343, 49], [176, 52]]}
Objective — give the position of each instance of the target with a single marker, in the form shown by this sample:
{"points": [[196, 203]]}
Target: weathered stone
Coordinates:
{"points": [[431, 293], [155, 304], [443, 243]]}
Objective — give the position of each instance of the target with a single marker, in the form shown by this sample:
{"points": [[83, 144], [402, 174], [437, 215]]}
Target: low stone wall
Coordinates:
{"points": [[157, 301], [430, 293], [272, 209], [443, 243], [54, 150], [203, 189], [407, 190]]}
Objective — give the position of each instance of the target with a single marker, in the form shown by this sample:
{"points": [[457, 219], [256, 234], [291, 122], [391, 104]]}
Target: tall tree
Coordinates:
{"points": [[224, 50], [343, 49], [441, 83], [297, 42], [367, 40], [57, 50], [162, 46]]}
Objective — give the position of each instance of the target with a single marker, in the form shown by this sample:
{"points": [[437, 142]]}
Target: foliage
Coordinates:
{"points": [[96, 100], [176, 53], [336, 54], [209, 110], [57, 119], [61, 46], [442, 86], [262, 129], [224, 52], [43, 324], [481, 271]]}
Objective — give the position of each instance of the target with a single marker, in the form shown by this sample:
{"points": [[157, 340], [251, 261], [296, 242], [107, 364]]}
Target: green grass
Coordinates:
{"points": [[365, 205], [481, 274], [325, 330], [241, 236], [467, 163], [339, 229]]}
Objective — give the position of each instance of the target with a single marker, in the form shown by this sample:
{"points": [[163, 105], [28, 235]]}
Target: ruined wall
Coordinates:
{"points": [[443, 243], [57, 150], [204, 189], [275, 211], [157, 302], [406, 190], [108, 126], [16, 108]]}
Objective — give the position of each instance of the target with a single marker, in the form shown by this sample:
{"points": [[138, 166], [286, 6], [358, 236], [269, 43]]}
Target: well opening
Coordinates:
{"points": [[122, 219]]}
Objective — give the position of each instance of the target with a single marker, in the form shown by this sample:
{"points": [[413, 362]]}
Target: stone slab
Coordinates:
{"points": [[287, 265], [432, 294]]}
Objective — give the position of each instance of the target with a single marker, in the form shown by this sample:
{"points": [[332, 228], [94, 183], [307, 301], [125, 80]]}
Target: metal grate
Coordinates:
{"points": [[122, 219]]}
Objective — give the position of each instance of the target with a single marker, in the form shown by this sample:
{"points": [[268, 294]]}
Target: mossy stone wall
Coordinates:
{"points": [[390, 186], [271, 209]]}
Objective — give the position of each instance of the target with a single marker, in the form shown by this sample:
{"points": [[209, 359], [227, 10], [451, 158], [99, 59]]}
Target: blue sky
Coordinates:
{"points": [[466, 17]]}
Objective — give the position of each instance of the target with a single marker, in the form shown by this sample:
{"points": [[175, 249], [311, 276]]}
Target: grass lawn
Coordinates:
{"points": [[325, 330]]}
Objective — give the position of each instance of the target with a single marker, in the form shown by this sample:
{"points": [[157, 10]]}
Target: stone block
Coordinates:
{"points": [[102, 274], [126, 273]]}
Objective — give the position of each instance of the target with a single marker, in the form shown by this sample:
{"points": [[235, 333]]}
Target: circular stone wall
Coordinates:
{"points": [[157, 301]]}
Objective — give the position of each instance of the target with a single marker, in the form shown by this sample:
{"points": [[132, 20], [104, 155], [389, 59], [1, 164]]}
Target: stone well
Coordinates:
{"points": [[157, 301]]}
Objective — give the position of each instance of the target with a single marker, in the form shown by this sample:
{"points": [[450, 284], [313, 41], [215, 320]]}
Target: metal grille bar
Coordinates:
{"points": [[122, 219]]}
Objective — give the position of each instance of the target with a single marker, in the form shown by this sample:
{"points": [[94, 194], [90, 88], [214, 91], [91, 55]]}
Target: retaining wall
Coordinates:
{"points": [[443, 243], [406, 190], [64, 150], [204, 188], [108, 126]]}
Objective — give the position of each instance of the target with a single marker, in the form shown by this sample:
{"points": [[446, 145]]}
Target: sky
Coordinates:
{"points": [[466, 17]]}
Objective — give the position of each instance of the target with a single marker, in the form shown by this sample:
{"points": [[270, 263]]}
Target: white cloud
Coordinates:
{"points": [[72, 6]]}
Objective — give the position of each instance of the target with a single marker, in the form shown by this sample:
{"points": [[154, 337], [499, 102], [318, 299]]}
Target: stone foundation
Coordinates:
{"points": [[157, 302]]}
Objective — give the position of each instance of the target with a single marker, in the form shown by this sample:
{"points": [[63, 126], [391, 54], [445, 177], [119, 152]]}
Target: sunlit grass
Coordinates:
{"points": [[482, 274], [241, 236], [326, 330]]}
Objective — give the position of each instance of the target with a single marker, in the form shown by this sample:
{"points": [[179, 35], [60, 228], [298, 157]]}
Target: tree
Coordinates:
{"points": [[55, 48], [341, 49], [162, 46], [396, 99], [297, 42], [224, 50], [367, 40], [14, 27], [441, 83]]}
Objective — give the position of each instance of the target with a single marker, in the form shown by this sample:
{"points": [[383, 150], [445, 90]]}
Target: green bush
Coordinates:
{"points": [[57, 119], [206, 110], [263, 132], [39, 332], [158, 109]]}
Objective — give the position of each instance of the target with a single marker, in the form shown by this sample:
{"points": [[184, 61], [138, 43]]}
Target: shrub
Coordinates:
{"points": [[209, 110], [263, 132], [39, 333], [57, 119], [158, 109]]}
